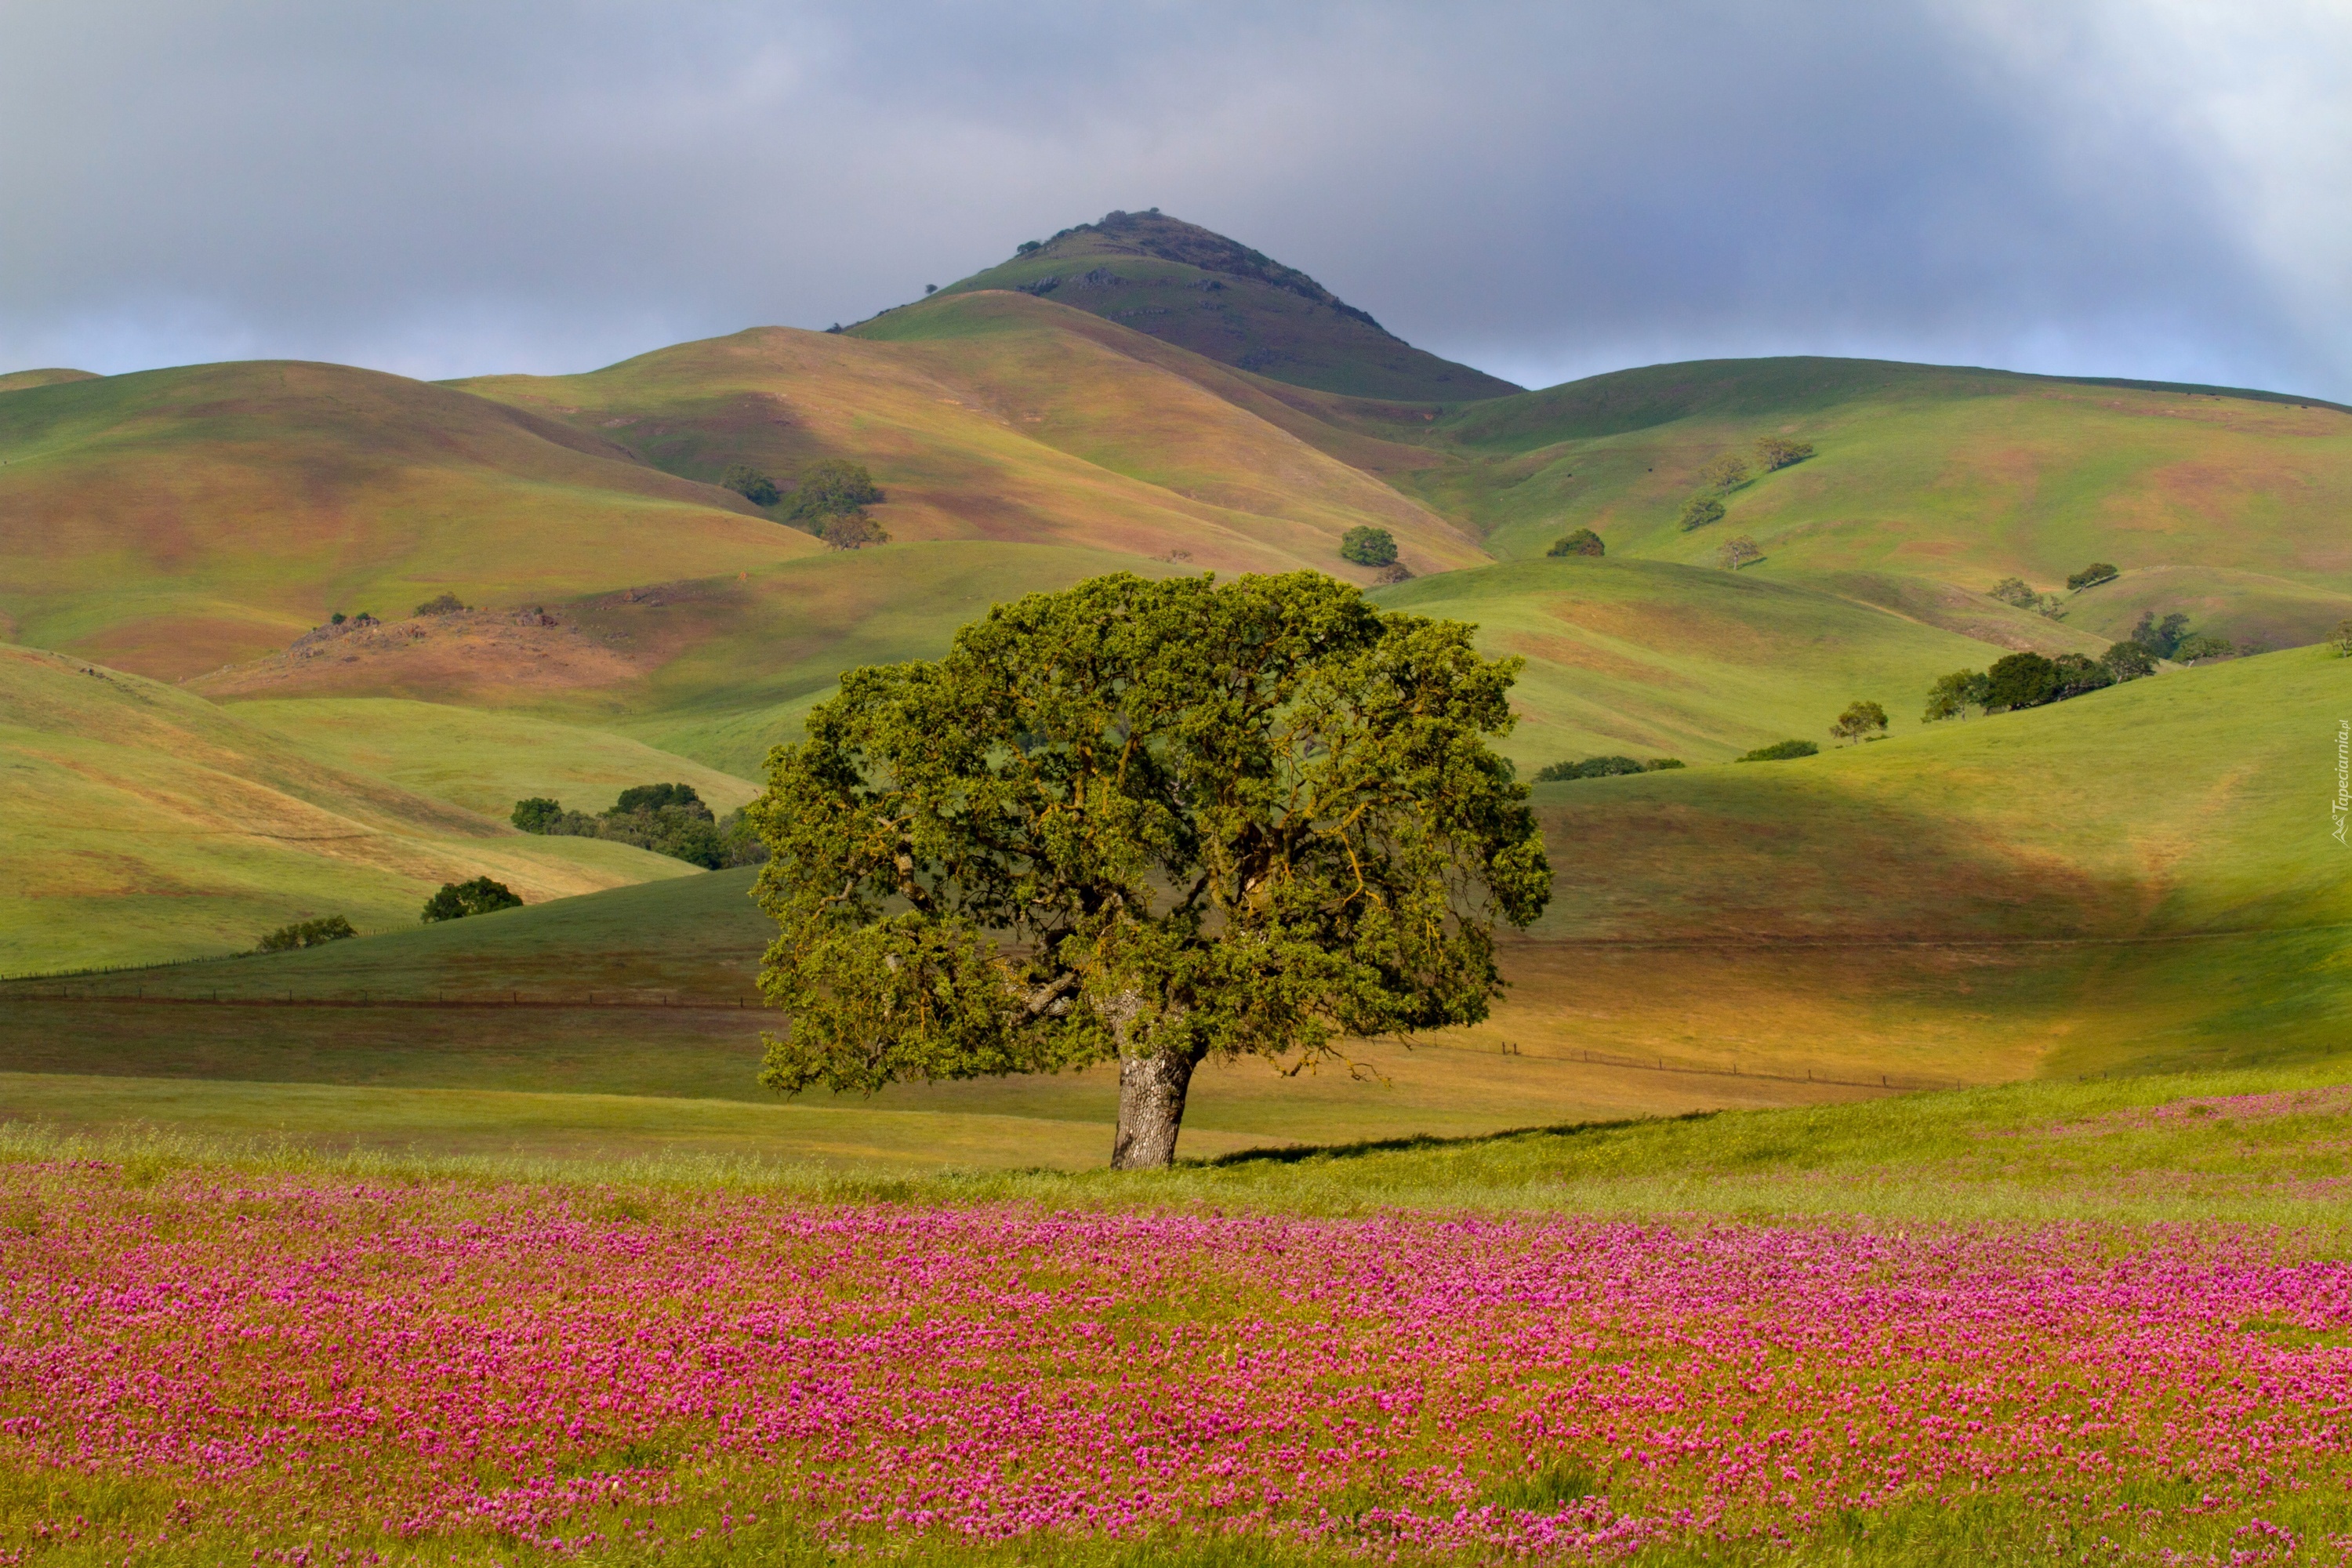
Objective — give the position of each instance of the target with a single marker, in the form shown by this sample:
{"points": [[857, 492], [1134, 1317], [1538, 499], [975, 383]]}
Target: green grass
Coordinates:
{"points": [[1653, 658], [145, 825], [2225, 505], [2258, 1146], [482, 761]]}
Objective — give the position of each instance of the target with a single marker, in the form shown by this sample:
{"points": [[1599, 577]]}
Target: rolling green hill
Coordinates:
{"points": [[1186, 285], [146, 824], [1930, 484]]}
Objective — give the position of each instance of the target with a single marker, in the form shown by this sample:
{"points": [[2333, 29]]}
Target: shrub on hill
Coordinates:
{"points": [[2014, 591], [2340, 640], [1780, 752], [2091, 576], [2077, 674], [1583, 541], [455, 900], [1955, 694], [1368, 546], [2161, 637], [1603, 767], [1860, 721], [1701, 512], [1390, 575], [2128, 661], [749, 482], [2202, 645], [443, 604], [666, 818], [853, 531], [1737, 553], [1591, 768], [1726, 472], [832, 488], [1775, 452], [307, 934], [2021, 681]]}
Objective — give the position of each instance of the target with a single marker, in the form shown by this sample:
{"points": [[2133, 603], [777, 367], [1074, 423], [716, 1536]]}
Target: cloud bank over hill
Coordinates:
{"points": [[1543, 190]]}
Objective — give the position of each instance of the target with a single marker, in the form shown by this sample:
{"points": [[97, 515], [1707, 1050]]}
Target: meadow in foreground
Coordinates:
{"points": [[301, 1361]]}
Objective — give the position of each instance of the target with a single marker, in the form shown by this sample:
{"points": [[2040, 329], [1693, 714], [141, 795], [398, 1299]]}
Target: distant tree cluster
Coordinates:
{"points": [[456, 900], [1581, 542], [749, 482], [1603, 768], [2091, 576], [1780, 752], [2017, 591], [1860, 721], [444, 604], [2171, 638], [2034, 681], [666, 818], [2340, 640], [1726, 471], [307, 934], [1369, 546], [830, 502]]}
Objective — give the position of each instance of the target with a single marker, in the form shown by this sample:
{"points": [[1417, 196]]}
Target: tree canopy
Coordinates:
{"points": [[1149, 823], [1701, 512], [751, 483], [1368, 546], [1860, 721], [1580, 542], [832, 488], [1778, 451], [455, 900]]}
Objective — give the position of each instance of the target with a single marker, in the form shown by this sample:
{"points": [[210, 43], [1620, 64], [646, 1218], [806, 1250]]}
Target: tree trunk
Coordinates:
{"points": [[1152, 1092]]}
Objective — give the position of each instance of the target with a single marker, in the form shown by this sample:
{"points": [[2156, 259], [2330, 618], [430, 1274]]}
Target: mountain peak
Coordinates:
{"points": [[1227, 301]]}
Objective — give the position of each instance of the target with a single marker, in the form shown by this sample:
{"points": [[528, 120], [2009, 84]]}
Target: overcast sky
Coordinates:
{"points": [[2131, 187]]}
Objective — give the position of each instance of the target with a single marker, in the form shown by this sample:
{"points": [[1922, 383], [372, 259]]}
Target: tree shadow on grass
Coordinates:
{"points": [[1428, 1142]]}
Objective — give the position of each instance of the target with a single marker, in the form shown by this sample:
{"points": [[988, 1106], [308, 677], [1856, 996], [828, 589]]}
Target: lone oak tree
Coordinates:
{"points": [[1149, 823]]}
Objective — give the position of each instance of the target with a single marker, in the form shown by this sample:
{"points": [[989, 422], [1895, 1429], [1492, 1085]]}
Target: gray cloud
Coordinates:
{"points": [[2142, 188]]}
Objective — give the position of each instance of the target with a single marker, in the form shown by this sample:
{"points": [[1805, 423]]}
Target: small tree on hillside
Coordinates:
{"points": [[1583, 542], [456, 900], [1701, 512], [1739, 551], [2091, 576], [853, 531], [1780, 752], [1860, 721], [537, 814], [2015, 591], [749, 482], [2077, 675], [1147, 823], [2160, 637], [834, 488], [1955, 694], [2021, 681], [2128, 661], [2340, 640], [1726, 472], [1774, 452], [1369, 546], [308, 933], [2202, 645], [444, 604]]}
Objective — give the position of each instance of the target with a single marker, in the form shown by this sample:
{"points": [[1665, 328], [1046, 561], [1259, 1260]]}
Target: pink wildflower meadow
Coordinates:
{"points": [[552, 1368]]}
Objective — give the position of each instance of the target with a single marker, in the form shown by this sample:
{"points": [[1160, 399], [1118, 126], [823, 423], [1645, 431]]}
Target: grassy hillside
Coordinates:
{"points": [[1221, 300], [146, 824], [16, 380], [1656, 659], [175, 520], [2227, 505], [483, 761], [2126, 882]]}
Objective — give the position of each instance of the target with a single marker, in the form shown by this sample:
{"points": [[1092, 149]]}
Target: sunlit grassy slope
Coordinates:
{"points": [[483, 761], [1224, 302], [2230, 506], [2126, 882], [144, 823], [175, 520]]}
